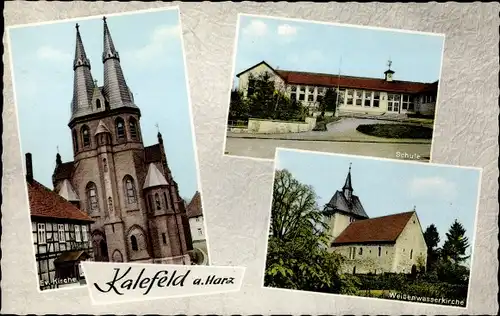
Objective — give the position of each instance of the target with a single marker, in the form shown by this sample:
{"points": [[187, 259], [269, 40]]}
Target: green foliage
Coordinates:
{"points": [[264, 100], [329, 101], [456, 243], [323, 121], [297, 255], [396, 131], [431, 236]]}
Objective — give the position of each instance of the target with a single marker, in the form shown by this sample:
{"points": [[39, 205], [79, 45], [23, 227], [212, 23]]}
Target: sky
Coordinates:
{"points": [[323, 48], [440, 193], [151, 53]]}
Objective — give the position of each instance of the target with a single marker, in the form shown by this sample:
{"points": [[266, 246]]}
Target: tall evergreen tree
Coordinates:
{"points": [[431, 236], [456, 243], [329, 101]]}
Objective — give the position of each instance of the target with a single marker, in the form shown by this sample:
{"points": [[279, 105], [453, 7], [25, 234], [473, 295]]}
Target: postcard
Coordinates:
{"points": [[374, 228], [106, 129], [333, 88]]}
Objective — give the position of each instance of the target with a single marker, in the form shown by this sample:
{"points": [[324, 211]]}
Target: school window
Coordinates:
{"points": [[349, 97], [41, 233], [376, 99], [60, 232], [310, 97], [368, 99], [78, 237], [359, 97]]}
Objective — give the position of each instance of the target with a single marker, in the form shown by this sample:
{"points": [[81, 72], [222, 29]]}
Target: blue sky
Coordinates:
{"points": [[151, 53], [315, 47], [441, 194]]}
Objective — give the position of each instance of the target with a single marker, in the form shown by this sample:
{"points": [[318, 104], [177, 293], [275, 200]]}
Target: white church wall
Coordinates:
{"points": [[338, 222], [410, 245], [365, 259]]}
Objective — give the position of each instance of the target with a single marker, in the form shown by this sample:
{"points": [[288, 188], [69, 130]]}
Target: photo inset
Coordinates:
{"points": [[332, 88], [106, 128], [376, 228]]}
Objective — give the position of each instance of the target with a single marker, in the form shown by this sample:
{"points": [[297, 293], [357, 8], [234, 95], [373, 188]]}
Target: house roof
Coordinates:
{"points": [[256, 65], [194, 209], [339, 203], [334, 80], [154, 177], [63, 170], [47, 203], [152, 153], [385, 229]]}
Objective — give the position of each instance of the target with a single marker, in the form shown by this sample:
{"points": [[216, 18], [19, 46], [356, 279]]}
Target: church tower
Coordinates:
{"points": [[344, 208], [113, 174]]}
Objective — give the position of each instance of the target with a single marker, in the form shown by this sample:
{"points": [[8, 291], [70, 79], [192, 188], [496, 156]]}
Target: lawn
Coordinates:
{"points": [[396, 131]]}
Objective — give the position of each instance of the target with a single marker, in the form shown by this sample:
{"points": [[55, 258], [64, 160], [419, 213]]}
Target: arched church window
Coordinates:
{"points": [[379, 251], [130, 190], [360, 251], [157, 201], [98, 103], [75, 141], [92, 196], [411, 254], [85, 136], [133, 128], [105, 165], [133, 243], [120, 128]]}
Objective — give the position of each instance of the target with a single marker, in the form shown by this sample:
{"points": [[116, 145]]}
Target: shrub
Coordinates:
{"points": [[396, 131]]}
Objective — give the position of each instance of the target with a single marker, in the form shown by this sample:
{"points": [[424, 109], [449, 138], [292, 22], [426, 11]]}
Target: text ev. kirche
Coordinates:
{"points": [[122, 282]]}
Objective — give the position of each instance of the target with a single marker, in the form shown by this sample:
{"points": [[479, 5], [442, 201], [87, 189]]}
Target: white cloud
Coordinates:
{"points": [[287, 30], [49, 53], [255, 28], [434, 188], [155, 49]]}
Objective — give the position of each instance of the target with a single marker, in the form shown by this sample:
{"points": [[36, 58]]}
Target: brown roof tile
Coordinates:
{"points": [[63, 171], [194, 209], [331, 80], [47, 203], [152, 153], [374, 230]]}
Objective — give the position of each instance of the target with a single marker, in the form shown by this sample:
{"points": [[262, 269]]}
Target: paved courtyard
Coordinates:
{"points": [[265, 148], [341, 137]]}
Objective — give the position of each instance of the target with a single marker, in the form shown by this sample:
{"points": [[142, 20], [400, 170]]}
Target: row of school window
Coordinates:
{"points": [[84, 141], [81, 233], [353, 252]]}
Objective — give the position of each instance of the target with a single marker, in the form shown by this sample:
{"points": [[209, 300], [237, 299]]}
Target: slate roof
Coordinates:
{"points": [[67, 192], [47, 203], [154, 177], [194, 209], [64, 171], [385, 229], [152, 153], [334, 80], [339, 202]]}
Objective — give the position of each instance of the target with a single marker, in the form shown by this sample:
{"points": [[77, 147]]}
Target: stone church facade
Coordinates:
{"points": [[387, 244], [127, 188]]}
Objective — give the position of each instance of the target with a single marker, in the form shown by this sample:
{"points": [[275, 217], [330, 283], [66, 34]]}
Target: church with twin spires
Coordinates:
{"points": [[127, 188], [388, 244]]}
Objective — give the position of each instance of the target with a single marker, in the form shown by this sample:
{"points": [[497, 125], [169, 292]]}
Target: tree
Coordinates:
{"points": [[265, 100], [329, 101], [238, 107], [297, 255], [456, 244], [431, 236]]}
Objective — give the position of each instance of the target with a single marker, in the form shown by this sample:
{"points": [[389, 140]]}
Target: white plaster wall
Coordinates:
{"points": [[368, 261], [195, 225], [410, 239], [338, 223], [260, 69]]}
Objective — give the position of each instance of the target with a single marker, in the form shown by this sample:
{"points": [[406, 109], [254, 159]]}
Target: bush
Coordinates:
{"points": [[322, 121], [396, 131]]}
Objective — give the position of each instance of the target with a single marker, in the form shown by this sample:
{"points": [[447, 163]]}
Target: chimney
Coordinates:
{"points": [[29, 168]]}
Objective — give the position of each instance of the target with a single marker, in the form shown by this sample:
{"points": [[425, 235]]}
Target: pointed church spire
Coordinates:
{"points": [[83, 83], [115, 86], [347, 189]]}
